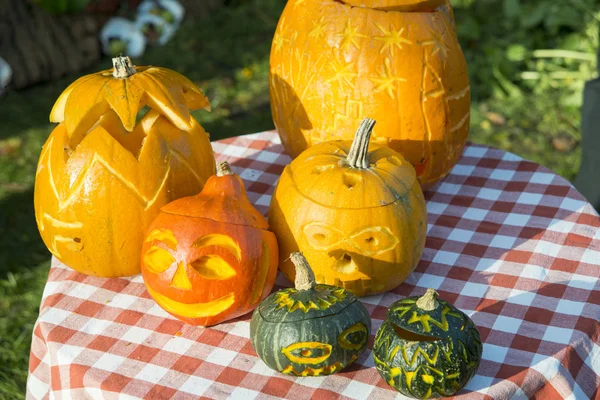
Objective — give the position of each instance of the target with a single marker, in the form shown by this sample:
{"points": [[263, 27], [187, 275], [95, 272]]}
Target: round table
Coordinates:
{"points": [[512, 244]]}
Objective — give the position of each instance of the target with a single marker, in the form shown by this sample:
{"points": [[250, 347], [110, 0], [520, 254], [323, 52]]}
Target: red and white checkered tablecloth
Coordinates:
{"points": [[510, 243]]}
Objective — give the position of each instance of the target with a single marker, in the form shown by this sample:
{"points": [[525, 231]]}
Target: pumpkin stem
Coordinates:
{"points": [[305, 278], [428, 301], [357, 157], [223, 168], [123, 67]]}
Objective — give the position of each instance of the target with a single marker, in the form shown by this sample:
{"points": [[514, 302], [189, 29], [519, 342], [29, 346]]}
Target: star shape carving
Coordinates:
{"points": [[386, 79], [350, 36], [344, 72], [319, 29], [438, 43], [391, 38]]}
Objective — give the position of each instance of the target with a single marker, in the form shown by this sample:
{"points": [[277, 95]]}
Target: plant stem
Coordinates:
{"points": [[223, 168], [357, 157], [305, 278], [428, 301], [123, 67]]}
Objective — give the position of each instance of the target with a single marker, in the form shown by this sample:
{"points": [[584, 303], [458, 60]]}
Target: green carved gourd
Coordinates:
{"points": [[309, 330], [426, 347]]}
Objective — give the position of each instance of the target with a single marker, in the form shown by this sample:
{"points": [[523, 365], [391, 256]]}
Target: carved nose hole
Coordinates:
{"points": [[371, 240], [319, 237], [351, 180]]}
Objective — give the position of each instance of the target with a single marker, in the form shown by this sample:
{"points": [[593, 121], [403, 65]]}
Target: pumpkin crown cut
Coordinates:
{"points": [[126, 90], [306, 300], [397, 5], [429, 316], [344, 174], [221, 194]]}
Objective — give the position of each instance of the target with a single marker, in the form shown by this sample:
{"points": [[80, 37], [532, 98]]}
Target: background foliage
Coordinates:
{"points": [[528, 61]]}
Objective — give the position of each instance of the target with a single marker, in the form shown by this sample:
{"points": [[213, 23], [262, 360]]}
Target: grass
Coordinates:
{"points": [[227, 55]]}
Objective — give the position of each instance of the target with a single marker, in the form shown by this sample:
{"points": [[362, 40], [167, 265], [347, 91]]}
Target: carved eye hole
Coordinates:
{"points": [[158, 260], [354, 337], [307, 352], [164, 236], [322, 237], [374, 240], [212, 266]]}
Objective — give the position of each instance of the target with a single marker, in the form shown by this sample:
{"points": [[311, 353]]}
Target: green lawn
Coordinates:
{"points": [[525, 100]]}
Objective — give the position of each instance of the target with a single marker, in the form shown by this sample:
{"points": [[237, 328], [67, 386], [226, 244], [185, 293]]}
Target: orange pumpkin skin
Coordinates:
{"points": [[210, 258], [363, 229], [102, 178], [396, 61]]}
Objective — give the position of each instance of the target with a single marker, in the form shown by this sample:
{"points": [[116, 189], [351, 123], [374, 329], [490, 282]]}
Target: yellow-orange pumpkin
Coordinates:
{"points": [[396, 61], [358, 216], [102, 177], [209, 258]]}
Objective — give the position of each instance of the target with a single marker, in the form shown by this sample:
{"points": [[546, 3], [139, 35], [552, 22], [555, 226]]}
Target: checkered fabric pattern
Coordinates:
{"points": [[510, 243]]}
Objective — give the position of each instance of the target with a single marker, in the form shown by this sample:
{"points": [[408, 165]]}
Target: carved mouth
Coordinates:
{"points": [[193, 310]]}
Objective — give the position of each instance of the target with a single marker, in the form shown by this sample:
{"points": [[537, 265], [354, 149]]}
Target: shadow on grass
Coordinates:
{"points": [[21, 246]]}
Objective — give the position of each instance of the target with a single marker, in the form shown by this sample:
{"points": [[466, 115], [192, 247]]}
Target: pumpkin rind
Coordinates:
{"points": [[311, 332], [360, 229], [332, 64], [94, 202], [208, 258], [435, 354]]}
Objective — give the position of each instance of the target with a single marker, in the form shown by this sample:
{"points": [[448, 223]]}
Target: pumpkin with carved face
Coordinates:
{"points": [[106, 169], [311, 329], [358, 216], [210, 258]]}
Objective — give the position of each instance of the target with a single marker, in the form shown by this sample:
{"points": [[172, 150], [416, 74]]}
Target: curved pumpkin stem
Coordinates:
{"points": [[305, 278], [428, 301], [123, 67], [357, 157], [223, 168]]}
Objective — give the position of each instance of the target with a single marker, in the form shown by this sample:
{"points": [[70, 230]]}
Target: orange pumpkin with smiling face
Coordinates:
{"points": [[210, 258]]}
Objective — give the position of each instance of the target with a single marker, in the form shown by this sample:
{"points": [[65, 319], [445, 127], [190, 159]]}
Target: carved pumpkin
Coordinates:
{"points": [[426, 347], [358, 216], [309, 330], [210, 258], [396, 61], [102, 177]]}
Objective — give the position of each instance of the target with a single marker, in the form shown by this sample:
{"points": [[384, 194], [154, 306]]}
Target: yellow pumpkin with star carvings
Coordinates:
{"points": [[399, 62]]}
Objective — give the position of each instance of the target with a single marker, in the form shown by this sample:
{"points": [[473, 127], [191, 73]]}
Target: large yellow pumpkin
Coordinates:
{"points": [[102, 177], [358, 216], [396, 61]]}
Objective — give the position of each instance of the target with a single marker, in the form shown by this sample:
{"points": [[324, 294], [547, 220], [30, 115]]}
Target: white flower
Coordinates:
{"points": [[120, 35]]}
